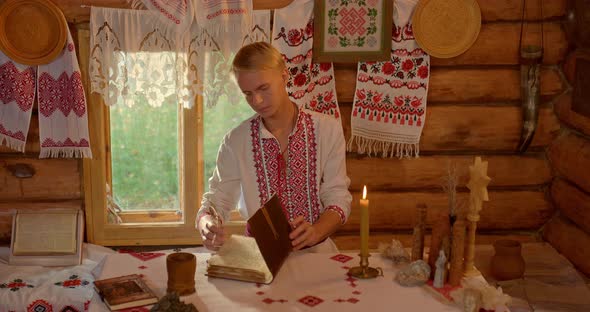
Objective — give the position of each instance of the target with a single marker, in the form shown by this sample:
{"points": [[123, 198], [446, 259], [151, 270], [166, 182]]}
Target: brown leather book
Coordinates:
{"points": [[259, 258]]}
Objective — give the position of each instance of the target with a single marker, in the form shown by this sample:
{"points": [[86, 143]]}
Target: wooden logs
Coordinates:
{"points": [[569, 240], [572, 203], [570, 157]]}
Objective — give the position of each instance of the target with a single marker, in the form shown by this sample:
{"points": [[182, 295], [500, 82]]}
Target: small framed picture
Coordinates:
{"points": [[350, 31]]}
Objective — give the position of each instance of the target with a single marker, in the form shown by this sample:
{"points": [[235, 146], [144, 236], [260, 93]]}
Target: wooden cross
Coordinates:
{"points": [[478, 183]]}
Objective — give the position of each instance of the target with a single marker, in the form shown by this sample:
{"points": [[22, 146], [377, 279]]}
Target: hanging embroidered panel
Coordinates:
{"points": [[352, 30], [311, 84], [389, 107]]}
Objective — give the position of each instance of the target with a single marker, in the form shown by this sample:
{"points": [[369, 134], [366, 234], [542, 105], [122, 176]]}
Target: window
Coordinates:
{"points": [[151, 164]]}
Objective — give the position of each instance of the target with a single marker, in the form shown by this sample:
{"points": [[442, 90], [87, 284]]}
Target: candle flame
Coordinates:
{"points": [[365, 192]]}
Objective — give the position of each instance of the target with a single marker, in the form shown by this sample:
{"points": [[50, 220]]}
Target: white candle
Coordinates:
{"points": [[364, 204]]}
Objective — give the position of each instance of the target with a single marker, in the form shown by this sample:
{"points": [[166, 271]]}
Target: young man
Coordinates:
{"points": [[294, 153]]}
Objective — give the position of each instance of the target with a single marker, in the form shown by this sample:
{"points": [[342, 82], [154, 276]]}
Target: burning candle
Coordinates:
{"points": [[364, 203]]}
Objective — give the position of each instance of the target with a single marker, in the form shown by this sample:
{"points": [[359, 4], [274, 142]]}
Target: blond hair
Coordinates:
{"points": [[258, 56]]}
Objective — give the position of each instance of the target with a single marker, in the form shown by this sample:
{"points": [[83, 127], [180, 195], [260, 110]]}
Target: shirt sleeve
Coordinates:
{"points": [[224, 184], [334, 183]]}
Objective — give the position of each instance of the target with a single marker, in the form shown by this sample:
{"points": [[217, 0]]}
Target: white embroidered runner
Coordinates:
{"points": [[389, 106], [63, 117], [310, 85], [17, 93]]}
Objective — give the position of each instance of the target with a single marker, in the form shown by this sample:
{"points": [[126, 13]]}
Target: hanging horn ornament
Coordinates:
{"points": [[531, 58]]}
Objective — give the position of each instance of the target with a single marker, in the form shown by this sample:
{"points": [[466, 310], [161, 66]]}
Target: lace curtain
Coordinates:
{"points": [[135, 57]]}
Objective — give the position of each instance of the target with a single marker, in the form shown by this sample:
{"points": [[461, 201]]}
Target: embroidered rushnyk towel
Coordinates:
{"points": [[390, 99]]}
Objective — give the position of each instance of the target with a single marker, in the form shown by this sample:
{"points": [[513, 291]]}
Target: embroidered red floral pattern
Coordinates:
{"points": [[375, 106], [17, 86], [15, 285], [73, 282], [307, 79], [65, 93]]}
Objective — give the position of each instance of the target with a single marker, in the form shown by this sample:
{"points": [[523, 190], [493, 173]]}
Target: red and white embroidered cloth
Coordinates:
{"points": [[306, 282], [228, 20], [309, 180], [389, 106], [63, 117], [17, 93], [176, 13], [37, 288], [310, 85]]}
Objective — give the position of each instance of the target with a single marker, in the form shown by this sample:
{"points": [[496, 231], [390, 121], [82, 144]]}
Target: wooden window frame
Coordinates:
{"points": [[163, 227]]}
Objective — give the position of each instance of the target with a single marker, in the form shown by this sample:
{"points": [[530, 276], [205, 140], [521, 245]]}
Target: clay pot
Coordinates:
{"points": [[181, 267], [507, 262]]}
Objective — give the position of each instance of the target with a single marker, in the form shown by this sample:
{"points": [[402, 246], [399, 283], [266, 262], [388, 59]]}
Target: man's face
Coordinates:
{"points": [[264, 90]]}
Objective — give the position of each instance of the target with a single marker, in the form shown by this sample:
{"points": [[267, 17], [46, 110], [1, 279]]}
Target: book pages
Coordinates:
{"points": [[240, 256], [45, 233]]}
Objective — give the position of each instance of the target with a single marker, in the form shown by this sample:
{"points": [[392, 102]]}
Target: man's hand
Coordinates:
{"points": [[212, 232], [304, 234]]}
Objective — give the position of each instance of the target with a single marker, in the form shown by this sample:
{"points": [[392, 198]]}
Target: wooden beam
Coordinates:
{"points": [[510, 10], [491, 10], [428, 171], [452, 85], [572, 202], [53, 179], [570, 157], [475, 128], [569, 240], [563, 110], [78, 11], [498, 44], [527, 210]]}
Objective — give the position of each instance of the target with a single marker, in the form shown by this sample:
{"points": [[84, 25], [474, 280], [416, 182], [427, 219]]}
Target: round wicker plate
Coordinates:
{"points": [[446, 28], [32, 32]]}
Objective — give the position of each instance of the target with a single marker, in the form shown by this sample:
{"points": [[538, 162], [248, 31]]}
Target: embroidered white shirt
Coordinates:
{"points": [[309, 179]]}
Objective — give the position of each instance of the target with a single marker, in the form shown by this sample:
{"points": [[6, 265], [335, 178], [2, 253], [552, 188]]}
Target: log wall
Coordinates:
{"points": [[569, 155], [473, 109]]}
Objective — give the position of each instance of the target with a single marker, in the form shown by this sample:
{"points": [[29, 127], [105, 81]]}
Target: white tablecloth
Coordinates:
{"points": [[306, 282]]}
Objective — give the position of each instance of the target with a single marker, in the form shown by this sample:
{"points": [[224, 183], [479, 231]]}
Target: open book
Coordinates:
{"points": [[255, 259]]}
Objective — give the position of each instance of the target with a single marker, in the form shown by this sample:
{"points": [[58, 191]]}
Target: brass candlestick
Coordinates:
{"points": [[364, 270]]}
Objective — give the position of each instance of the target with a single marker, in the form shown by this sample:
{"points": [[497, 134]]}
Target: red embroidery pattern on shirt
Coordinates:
{"points": [[339, 211], [294, 180]]}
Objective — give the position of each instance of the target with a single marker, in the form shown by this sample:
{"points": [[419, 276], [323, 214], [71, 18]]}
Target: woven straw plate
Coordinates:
{"points": [[446, 28], [32, 32]]}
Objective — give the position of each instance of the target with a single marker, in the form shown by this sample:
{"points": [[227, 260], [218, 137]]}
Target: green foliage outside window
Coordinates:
{"points": [[144, 151]]}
